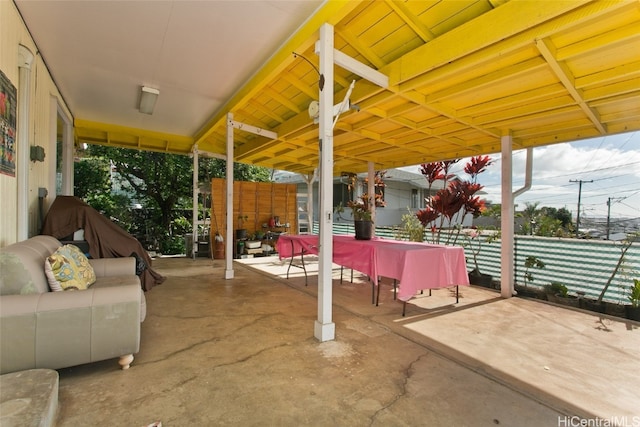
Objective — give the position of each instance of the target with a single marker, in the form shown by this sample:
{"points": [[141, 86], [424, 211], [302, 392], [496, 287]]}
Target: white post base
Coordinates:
{"points": [[228, 274], [325, 331]]}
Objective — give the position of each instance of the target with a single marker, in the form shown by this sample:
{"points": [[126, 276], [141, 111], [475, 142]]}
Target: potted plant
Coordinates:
{"points": [[362, 207], [558, 293], [361, 212], [633, 310], [531, 262], [411, 229], [241, 232], [474, 242], [448, 207]]}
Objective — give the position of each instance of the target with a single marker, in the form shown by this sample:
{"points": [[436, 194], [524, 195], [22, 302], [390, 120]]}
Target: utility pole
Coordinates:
{"points": [[609, 212], [579, 181]]}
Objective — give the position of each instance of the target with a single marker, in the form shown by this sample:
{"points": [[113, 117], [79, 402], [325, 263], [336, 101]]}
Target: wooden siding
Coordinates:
{"points": [[259, 201]]}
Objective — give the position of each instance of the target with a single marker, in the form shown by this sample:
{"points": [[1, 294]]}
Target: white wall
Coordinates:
{"points": [[43, 95]]}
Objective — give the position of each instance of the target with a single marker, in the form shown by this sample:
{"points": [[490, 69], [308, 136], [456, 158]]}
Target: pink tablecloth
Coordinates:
{"points": [[415, 265]]}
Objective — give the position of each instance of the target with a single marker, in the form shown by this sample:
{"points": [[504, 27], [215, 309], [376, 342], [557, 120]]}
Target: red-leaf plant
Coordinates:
{"points": [[455, 200]]}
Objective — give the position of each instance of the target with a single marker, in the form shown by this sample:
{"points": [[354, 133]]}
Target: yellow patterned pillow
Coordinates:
{"points": [[85, 269], [68, 269]]}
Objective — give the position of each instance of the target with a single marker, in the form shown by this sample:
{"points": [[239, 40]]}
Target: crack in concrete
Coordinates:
{"points": [[403, 390], [207, 341], [251, 356]]}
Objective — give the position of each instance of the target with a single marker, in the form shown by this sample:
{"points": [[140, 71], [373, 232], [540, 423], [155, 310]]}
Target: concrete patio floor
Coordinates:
{"points": [[242, 352]]}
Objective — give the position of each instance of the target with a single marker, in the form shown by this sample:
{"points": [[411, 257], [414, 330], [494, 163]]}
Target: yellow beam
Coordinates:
{"points": [[331, 12], [109, 130], [401, 10], [510, 26], [565, 76]]}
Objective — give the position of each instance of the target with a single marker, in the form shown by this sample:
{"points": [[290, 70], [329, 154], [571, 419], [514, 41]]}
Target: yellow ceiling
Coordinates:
{"points": [[462, 74]]}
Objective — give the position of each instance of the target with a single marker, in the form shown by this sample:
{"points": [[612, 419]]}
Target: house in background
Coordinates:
{"points": [[404, 191]]}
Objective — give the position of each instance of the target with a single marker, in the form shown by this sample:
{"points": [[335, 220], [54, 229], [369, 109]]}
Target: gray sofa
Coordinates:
{"points": [[44, 329]]}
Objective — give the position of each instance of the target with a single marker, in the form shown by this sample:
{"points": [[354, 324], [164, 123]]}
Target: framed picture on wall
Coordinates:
{"points": [[8, 95]]}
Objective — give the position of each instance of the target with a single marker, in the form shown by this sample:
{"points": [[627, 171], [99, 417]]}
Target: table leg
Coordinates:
{"points": [[302, 266]]}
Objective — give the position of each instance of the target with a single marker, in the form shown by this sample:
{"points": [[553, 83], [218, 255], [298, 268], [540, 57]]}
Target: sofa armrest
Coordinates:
{"points": [[106, 267], [59, 329]]}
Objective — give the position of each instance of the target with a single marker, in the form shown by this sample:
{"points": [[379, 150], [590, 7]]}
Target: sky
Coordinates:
{"points": [[608, 166]]}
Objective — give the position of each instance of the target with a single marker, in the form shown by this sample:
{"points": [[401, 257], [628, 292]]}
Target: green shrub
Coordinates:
{"points": [[557, 288]]}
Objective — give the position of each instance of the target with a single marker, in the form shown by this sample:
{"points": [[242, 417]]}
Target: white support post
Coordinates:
{"points": [[25, 58], [228, 272], [325, 329], [371, 192], [67, 157], [196, 164], [506, 255]]}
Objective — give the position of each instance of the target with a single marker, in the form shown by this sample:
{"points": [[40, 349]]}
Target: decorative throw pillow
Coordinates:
{"points": [[68, 269], [84, 267]]}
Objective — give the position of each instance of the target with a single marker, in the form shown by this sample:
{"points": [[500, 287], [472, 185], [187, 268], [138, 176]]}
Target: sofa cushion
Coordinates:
{"points": [[67, 268], [14, 280], [32, 253]]}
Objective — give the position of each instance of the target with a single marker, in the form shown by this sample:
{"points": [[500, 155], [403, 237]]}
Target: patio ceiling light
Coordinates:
{"points": [[148, 98]]}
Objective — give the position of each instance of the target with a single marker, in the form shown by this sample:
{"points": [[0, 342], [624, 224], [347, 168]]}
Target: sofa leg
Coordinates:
{"points": [[125, 361]]}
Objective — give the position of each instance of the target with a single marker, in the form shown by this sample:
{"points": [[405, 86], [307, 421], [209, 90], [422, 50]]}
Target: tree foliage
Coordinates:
{"points": [[162, 184]]}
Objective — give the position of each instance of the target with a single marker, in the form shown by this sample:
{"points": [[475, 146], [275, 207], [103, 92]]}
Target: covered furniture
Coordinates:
{"points": [[69, 214], [40, 328]]}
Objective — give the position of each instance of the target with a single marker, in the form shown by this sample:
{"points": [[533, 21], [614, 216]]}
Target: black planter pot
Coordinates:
{"points": [[614, 309], [592, 305], [241, 233], [568, 301], [530, 292], [480, 279], [363, 229], [633, 313]]}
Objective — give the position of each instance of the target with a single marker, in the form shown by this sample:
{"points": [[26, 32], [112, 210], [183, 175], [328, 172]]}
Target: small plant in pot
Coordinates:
{"points": [[411, 229], [530, 263], [633, 310], [241, 232], [362, 207], [361, 210], [558, 293], [473, 243]]}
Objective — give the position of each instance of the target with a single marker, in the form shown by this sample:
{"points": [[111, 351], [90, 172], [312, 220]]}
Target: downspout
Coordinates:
{"points": [[528, 174], [25, 59]]}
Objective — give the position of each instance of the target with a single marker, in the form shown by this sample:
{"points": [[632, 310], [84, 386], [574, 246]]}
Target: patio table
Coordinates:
{"points": [[415, 265]]}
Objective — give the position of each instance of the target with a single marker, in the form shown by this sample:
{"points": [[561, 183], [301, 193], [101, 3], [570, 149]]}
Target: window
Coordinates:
{"points": [[415, 198]]}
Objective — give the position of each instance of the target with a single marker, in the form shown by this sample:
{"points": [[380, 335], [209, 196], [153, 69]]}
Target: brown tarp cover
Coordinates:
{"points": [[68, 214]]}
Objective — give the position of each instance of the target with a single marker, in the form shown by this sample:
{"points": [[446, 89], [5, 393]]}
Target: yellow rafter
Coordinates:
{"points": [[563, 73]]}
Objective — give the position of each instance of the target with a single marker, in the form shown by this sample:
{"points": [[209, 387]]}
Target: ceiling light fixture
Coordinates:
{"points": [[148, 98]]}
